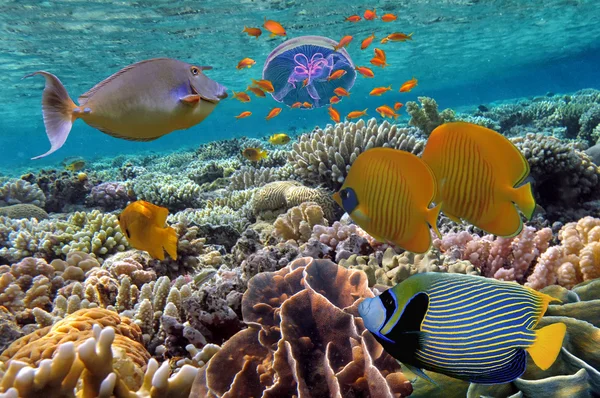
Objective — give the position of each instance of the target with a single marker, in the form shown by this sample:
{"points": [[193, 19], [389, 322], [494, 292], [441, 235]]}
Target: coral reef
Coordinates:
{"points": [[110, 196], [172, 192], [298, 222], [20, 191], [427, 117], [24, 210], [325, 156], [304, 338]]}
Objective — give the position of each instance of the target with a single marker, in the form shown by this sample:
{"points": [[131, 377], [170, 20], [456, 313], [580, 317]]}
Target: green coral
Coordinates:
{"points": [[427, 117]]}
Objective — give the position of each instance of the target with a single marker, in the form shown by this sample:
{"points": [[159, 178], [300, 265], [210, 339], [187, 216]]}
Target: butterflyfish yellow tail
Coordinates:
{"points": [[170, 242], [547, 345], [523, 197], [432, 216], [59, 111]]}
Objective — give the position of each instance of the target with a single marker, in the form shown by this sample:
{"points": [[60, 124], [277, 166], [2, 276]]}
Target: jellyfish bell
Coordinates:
{"points": [[299, 70]]}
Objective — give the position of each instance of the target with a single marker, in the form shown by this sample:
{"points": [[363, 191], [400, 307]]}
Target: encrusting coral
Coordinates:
{"points": [[304, 338]]}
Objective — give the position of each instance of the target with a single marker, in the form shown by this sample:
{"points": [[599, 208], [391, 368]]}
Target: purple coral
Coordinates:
{"points": [[110, 196]]}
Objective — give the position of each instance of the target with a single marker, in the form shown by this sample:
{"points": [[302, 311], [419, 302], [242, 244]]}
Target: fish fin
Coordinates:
{"points": [[170, 242], [419, 372], [362, 217], [506, 222], [523, 197], [273, 35], [420, 242], [190, 99], [57, 108], [547, 345], [88, 94], [453, 218], [431, 216], [159, 215]]}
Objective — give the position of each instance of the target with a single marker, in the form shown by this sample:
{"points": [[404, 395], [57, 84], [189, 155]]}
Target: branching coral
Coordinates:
{"points": [[20, 191], [325, 156], [110, 196], [305, 339], [427, 117], [250, 177], [173, 192]]}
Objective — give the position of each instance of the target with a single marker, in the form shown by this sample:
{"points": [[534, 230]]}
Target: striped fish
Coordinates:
{"points": [[387, 192], [467, 327], [477, 170]]}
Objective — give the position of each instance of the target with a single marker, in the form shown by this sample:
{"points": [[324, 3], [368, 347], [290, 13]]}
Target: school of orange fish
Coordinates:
{"points": [[259, 87]]}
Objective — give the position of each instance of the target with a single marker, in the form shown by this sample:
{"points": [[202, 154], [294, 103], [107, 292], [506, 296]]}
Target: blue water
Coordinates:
{"points": [[464, 53]]}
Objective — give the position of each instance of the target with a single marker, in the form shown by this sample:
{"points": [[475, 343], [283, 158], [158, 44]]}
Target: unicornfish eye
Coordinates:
{"points": [[195, 70]]}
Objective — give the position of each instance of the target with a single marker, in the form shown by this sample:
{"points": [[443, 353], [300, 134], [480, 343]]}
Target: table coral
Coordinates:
{"points": [[305, 338], [325, 155]]}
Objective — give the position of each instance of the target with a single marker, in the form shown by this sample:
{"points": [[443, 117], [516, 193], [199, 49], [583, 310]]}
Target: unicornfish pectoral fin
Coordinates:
{"points": [[547, 345], [419, 373], [190, 99], [58, 110]]}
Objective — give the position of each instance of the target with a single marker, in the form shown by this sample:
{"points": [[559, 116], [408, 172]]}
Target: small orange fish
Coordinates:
{"points": [[252, 31], [379, 53], [254, 154], [243, 115], [241, 96], [337, 74], [334, 100], [366, 72], [380, 90], [272, 113], [257, 91], [334, 114], [274, 27], [245, 63], [408, 85], [264, 84], [386, 111], [307, 105], [296, 105], [384, 40], [353, 18], [343, 42], [370, 15], [379, 62], [398, 105], [144, 224], [304, 82], [356, 114], [367, 42], [388, 17], [340, 91], [399, 37]]}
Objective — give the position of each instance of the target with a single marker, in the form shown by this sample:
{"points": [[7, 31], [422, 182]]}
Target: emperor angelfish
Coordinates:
{"points": [[141, 102], [464, 326]]}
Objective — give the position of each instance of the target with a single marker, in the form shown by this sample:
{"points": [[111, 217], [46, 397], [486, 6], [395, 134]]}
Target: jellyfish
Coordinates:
{"points": [[299, 70]]}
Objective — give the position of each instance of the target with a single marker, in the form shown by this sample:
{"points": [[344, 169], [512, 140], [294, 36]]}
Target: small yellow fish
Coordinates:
{"points": [[387, 193], [74, 164], [477, 170], [356, 114], [129, 105], [254, 154], [144, 224], [279, 139], [245, 63]]}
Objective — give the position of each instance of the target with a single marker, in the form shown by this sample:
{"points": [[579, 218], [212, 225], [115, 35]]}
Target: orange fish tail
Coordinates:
{"points": [[523, 197], [58, 110], [431, 216], [170, 242]]}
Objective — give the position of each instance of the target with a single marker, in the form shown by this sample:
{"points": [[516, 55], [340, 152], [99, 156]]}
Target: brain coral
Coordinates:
{"points": [[325, 156], [24, 210], [304, 339]]}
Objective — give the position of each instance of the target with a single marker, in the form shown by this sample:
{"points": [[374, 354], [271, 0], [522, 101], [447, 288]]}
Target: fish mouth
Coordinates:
{"points": [[210, 91]]}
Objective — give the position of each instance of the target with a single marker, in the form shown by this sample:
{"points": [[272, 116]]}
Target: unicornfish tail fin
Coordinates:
{"points": [[523, 197], [170, 242], [57, 108], [547, 345]]}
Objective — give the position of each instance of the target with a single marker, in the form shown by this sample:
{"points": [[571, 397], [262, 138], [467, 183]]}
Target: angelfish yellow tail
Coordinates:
{"points": [[547, 345], [170, 242]]}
